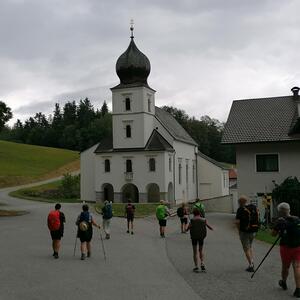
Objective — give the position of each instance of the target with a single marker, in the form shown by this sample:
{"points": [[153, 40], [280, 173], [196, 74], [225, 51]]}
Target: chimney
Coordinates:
{"points": [[296, 98]]}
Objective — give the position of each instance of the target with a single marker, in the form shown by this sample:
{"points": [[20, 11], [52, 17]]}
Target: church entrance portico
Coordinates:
{"points": [[153, 194], [130, 191]]}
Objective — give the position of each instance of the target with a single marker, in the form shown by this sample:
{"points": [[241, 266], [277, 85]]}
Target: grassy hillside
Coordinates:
{"points": [[20, 163]]}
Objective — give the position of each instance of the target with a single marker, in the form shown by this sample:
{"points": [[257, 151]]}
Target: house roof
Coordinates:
{"points": [[261, 120], [156, 142], [173, 127], [216, 163]]}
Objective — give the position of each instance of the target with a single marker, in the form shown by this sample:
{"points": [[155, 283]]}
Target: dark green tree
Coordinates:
{"points": [[5, 114], [104, 109]]}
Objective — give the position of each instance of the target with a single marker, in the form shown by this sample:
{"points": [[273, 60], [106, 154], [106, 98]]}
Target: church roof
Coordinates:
{"points": [[156, 142], [173, 127]]}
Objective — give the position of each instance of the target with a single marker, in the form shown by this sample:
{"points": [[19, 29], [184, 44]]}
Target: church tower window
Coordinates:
{"points": [[128, 131], [170, 164], [107, 165], [128, 165], [149, 105], [179, 173], [127, 104], [152, 165]]}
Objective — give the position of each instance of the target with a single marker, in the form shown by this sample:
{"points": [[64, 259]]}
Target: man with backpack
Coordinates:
{"points": [[107, 214], [85, 223], [162, 212], [247, 222], [182, 213], [198, 232], [56, 220], [129, 215], [288, 227]]}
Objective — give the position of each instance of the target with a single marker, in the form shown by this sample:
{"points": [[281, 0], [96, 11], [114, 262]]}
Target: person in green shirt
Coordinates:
{"points": [[162, 212]]}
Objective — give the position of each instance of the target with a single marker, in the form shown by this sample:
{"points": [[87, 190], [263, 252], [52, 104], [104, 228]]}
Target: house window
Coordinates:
{"points": [[128, 131], [128, 165], [267, 163], [127, 104], [152, 165], [149, 105], [170, 164], [107, 165], [179, 173]]}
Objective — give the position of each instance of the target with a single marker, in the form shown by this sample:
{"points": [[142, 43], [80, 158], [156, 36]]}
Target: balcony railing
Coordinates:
{"points": [[128, 176]]}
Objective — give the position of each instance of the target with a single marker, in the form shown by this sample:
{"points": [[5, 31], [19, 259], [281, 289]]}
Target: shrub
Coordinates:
{"points": [[70, 186]]}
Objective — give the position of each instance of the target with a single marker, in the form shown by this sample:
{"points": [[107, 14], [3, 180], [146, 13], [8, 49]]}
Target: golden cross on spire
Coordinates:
{"points": [[131, 28]]}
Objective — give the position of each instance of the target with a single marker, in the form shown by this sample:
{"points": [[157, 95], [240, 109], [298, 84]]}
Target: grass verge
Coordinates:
{"points": [[33, 193], [12, 213], [265, 236], [141, 209]]}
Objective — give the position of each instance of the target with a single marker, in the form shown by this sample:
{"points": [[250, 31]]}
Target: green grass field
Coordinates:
{"points": [[265, 236], [20, 163], [141, 209]]}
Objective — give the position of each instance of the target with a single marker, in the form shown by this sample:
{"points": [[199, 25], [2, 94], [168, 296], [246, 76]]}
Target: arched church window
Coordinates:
{"points": [[107, 165], [128, 131], [128, 165], [127, 104], [152, 165]]}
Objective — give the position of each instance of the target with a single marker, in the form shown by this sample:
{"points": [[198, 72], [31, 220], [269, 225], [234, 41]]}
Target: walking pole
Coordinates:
{"points": [[75, 244], [102, 243], [266, 256]]}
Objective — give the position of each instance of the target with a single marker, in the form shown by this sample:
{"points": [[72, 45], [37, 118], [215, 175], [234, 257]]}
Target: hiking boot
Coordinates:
{"points": [[282, 284], [82, 256], [196, 270], [297, 293], [55, 255], [250, 269], [107, 236], [89, 254], [127, 231], [131, 232], [203, 268]]}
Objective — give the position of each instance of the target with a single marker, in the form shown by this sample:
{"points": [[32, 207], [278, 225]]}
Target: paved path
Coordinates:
{"points": [[141, 266]]}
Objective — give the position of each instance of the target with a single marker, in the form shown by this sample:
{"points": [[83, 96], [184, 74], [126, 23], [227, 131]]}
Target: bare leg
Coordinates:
{"points": [[249, 255], [89, 247], [127, 225], [131, 225], [284, 271], [195, 256], [83, 248], [201, 254]]}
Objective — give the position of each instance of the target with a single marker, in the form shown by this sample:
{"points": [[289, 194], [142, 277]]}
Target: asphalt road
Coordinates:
{"points": [[139, 266]]}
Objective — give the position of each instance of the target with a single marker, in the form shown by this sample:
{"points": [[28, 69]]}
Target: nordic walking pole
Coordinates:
{"points": [[266, 256], [102, 243], [75, 245]]}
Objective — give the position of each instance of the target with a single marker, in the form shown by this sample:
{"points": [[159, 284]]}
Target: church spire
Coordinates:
{"points": [[131, 28]]}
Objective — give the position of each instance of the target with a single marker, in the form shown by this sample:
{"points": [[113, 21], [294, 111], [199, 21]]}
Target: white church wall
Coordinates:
{"points": [[213, 180], [141, 176], [186, 190], [87, 174], [161, 129]]}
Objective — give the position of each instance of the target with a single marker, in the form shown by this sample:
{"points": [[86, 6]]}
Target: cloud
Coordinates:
{"points": [[203, 53]]}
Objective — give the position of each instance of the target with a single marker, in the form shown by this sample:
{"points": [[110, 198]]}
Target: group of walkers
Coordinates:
{"points": [[286, 228]]}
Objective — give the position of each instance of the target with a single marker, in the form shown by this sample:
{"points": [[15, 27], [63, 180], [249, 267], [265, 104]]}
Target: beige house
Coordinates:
{"points": [[266, 133]]}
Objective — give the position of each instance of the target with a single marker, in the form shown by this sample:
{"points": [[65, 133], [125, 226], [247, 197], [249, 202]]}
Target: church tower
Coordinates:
{"points": [[133, 102]]}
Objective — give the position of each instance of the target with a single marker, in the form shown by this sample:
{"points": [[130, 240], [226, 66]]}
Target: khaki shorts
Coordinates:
{"points": [[247, 239]]}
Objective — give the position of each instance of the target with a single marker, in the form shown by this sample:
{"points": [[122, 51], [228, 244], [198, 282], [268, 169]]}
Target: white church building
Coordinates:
{"points": [[149, 156]]}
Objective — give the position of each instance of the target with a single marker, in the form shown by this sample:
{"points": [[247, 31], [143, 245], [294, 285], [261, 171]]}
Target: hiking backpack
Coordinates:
{"points": [[160, 212], [54, 220], [253, 218], [129, 210], [180, 212], [291, 232], [107, 212], [83, 221]]}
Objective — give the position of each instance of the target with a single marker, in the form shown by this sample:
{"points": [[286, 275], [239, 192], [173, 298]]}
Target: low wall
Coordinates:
{"points": [[219, 204]]}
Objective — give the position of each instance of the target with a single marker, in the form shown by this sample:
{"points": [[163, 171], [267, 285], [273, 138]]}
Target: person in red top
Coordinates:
{"points": [[129, 215], [56, 220]]}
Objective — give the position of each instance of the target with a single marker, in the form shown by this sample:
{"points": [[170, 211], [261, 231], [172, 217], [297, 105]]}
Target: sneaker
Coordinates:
{"points": [[163, 235], [131, 232], [89, 254], [196, 270], [107, 236], [82, 256], [250, 269], [203, 268], [55, 255], [297, 293], [127, 231], [282, 284]]}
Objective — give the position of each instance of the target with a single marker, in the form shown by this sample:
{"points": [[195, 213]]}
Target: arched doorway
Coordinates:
{"points": [[108, 192], [153, 193], [170, 193], [130, 191]]}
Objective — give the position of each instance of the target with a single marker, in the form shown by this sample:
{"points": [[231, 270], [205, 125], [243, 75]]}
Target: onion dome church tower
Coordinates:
{"points": [[133, 102]]}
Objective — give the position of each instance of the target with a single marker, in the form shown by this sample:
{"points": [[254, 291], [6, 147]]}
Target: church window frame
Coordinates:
{"points": [[128, 166], [128, 130], [107, 165], [127, 104], [152, 164]]}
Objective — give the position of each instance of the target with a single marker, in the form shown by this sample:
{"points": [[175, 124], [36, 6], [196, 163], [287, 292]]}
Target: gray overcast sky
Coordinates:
{"points": [[203, 53]]}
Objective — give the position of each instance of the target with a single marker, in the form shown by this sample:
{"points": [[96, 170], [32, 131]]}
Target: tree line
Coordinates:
{"points": [[79, 126]]}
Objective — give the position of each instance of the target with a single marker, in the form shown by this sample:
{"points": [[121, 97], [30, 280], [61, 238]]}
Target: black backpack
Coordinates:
{"points": [[253, 218], [290, 235], [180, 212]]}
